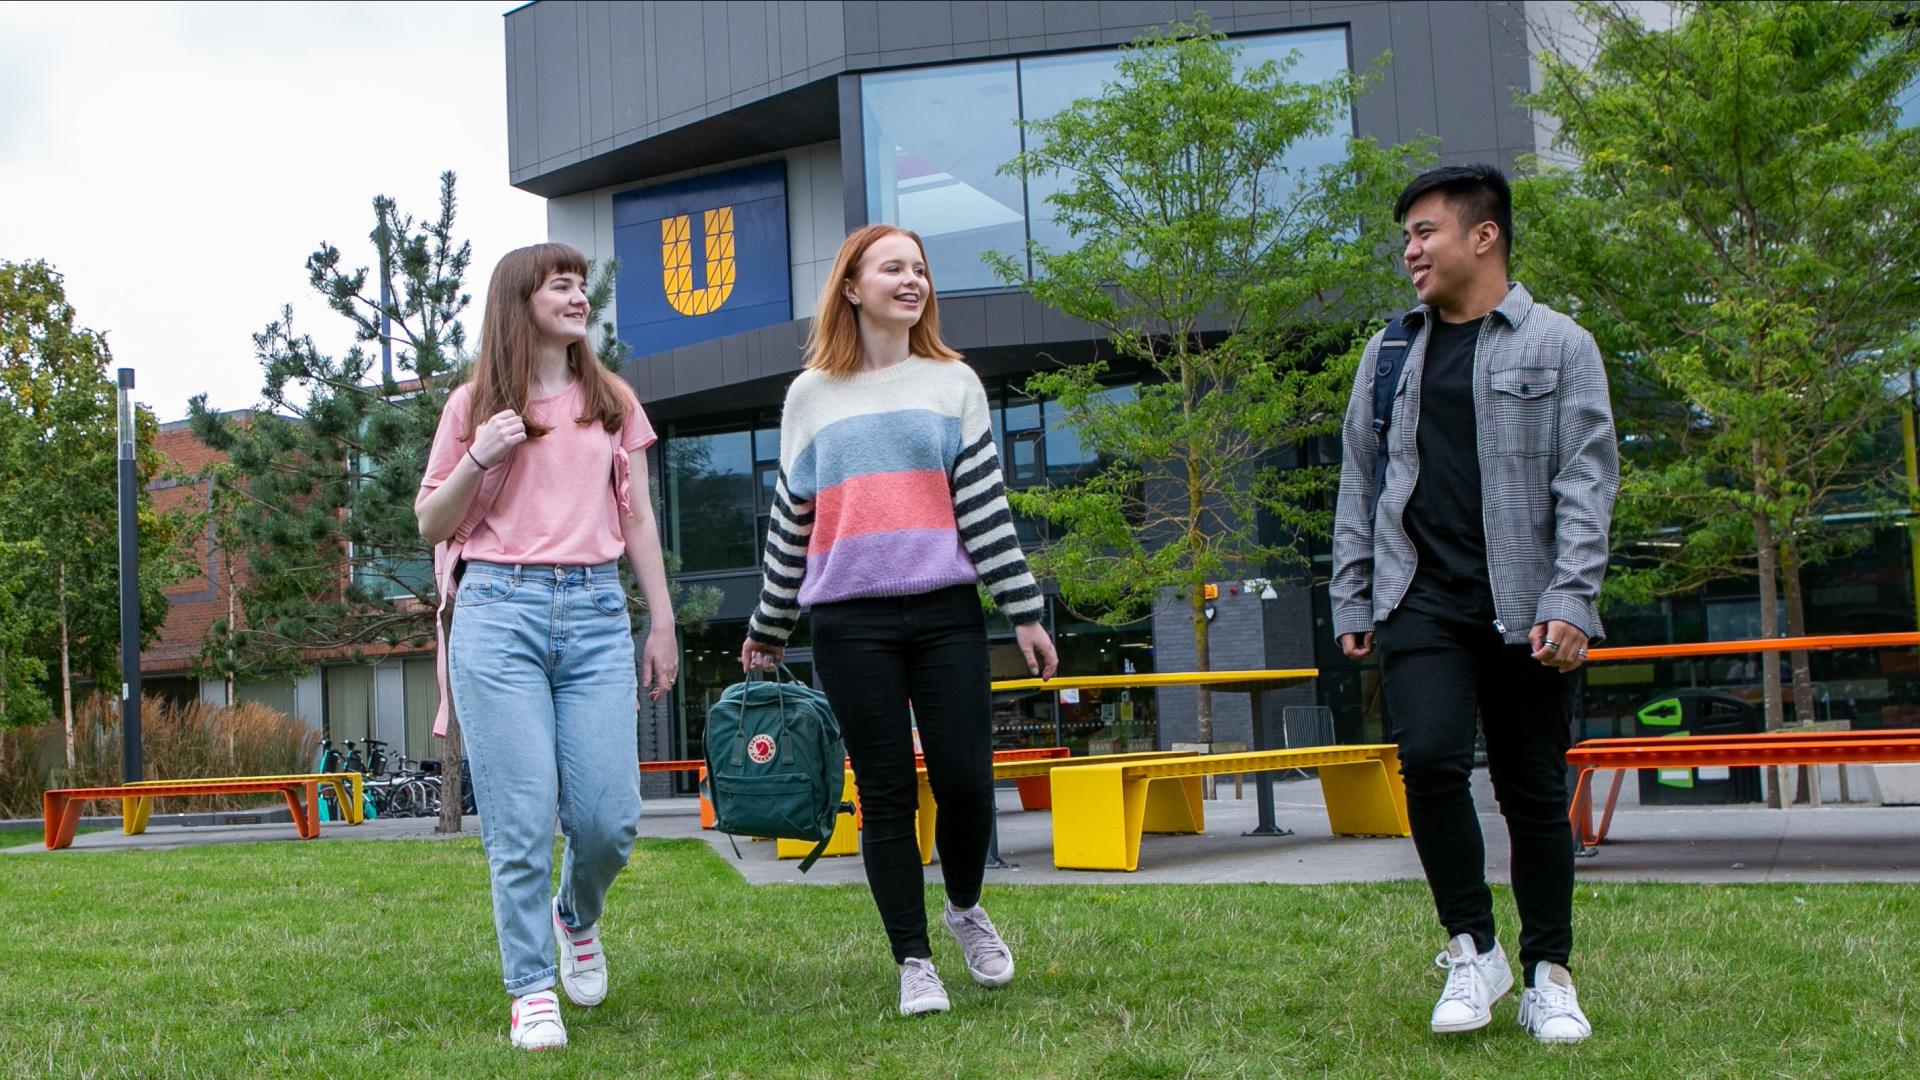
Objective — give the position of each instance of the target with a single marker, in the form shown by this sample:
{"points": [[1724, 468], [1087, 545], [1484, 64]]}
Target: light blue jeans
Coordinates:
{"points": [[541, 662]]}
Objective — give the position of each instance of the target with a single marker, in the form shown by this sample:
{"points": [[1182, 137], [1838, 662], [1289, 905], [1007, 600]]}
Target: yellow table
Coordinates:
{"points": [[1252, 683]]}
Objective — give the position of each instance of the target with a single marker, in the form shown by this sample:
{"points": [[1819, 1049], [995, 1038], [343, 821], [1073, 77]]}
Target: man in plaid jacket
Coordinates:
{"points": [[1474, 569]]}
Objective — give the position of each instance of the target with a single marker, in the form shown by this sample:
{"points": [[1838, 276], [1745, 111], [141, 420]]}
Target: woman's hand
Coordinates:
{"points": [[499, 435], [660, 663], [760, 656], [1037, 647]]}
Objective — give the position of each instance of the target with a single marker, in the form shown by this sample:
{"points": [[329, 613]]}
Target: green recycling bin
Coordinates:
{"points": [[1681, 713]]}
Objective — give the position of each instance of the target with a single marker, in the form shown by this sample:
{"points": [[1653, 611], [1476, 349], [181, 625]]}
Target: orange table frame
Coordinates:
{"points": [[61, 807], [1749, 750]]}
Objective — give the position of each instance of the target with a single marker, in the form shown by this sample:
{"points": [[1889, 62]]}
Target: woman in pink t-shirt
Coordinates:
{"points": [[536, 484]]}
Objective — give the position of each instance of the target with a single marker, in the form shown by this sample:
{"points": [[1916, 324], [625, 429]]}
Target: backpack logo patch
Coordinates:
{"points": [[761, 749]]}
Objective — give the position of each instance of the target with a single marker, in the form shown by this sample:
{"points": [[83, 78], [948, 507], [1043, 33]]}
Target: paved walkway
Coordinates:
{"points": [[1721, 844]]}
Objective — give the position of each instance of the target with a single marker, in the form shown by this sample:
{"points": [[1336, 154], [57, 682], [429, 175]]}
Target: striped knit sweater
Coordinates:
{"points": [[889, 485]]}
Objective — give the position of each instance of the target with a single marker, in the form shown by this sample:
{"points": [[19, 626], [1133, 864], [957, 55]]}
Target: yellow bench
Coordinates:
{"points": [[844, 841], [1016, 770], [136, 809], [1100, 809]]}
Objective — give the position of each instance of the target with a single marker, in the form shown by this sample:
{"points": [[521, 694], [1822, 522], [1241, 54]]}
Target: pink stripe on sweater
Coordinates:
{"points": [[881, 503]]}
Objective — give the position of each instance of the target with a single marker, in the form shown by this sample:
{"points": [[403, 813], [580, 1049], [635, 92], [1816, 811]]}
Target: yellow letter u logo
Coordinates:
{"points": [[676, 260]]}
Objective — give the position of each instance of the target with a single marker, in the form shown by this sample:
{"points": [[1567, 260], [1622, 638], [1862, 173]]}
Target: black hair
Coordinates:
{"points": [[1476, 192]]}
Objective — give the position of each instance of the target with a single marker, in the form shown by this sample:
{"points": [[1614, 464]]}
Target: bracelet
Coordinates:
{"points": [[476, 460]]}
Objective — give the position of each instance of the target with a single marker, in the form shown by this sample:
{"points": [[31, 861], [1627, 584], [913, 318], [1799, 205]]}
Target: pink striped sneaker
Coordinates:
{"points": [[583, 966], [536, 1022]]}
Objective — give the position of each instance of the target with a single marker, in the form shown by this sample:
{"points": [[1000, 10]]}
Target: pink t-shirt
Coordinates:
{"points": [[557, 504]]}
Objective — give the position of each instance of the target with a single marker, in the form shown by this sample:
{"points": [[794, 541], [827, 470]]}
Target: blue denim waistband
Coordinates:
{"points": [[519, 572]]}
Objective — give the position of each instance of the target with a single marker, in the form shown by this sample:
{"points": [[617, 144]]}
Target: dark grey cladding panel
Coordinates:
{"points": [[557, 60], [970, 23], [799, 117], [747, 45], [740, 372], [1512, 76], [919, 25], [1071, 16], [602, 93]]}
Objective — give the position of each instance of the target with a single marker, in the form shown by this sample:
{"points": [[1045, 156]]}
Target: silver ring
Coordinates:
{"points": [[1583, 654], [1551, 644]]}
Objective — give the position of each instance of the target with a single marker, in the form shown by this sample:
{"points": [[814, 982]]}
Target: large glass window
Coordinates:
{"points": [[936, 138], [711, 501]]}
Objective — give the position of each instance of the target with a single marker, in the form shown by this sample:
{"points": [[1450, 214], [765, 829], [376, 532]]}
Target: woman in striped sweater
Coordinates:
{"points": [[888, 512]]}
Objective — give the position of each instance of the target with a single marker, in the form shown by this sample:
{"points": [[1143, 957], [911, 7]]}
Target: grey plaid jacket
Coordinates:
{"points": [[1549, 471]]}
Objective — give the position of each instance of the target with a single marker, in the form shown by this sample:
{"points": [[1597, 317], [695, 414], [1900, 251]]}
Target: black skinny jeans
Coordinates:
{"points": [[874, 656], [1437, 675]]}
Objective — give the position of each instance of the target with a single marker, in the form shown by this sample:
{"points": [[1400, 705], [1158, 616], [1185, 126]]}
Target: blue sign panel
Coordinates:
{"points": [[702, 258]]}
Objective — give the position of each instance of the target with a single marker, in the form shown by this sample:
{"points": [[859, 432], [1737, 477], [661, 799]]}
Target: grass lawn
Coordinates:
{"points": [[372, 959]]}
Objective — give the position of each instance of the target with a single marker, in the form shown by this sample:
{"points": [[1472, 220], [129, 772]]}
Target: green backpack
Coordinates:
{"points": [[775, 762]]}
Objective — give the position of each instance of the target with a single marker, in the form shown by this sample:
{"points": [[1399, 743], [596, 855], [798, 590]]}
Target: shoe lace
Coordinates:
{"points": [[1549, 1001], [977, 935], [1463, 976], [918, 979]]}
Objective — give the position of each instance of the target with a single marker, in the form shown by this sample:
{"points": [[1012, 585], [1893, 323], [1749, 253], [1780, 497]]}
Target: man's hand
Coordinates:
{"points": [[1558, 644], [1357, 646]]}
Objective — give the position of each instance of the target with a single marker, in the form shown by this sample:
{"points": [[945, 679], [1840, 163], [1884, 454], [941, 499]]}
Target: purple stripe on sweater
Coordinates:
{"points": [[898, 563]]}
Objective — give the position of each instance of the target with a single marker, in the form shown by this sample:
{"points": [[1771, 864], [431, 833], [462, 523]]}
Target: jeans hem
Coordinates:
{"points": [[541, 981]]}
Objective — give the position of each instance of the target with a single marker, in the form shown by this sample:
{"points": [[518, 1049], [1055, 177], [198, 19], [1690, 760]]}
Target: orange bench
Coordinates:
{"points": [[61, 807], [1688, 752]]}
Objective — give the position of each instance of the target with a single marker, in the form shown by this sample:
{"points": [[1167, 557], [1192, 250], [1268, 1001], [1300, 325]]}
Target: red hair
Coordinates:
{"points": [[833, 341]]}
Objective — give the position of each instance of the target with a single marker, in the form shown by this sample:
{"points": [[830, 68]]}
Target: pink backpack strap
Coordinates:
{"points": [[446, 560]]}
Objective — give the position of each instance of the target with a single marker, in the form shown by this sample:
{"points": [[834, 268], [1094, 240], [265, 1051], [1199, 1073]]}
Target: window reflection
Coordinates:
{"points": [[710, 485], [935, 139]]}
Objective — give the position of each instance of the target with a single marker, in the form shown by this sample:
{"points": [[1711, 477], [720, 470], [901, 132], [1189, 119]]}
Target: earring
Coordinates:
{"points": [[854, 302]]}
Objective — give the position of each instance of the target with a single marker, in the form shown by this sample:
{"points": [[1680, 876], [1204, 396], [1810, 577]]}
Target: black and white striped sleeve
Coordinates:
{"points": [[986, 530], [782, 568]]}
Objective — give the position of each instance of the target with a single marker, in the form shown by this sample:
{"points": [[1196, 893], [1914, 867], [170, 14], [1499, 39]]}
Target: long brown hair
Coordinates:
{"points": [[503, 372], [833, 341]]}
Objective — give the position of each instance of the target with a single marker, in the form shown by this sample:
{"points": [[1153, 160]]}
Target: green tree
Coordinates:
{"points": [[1738, 232], [319, 495], [59, 512], [1242, 284]]}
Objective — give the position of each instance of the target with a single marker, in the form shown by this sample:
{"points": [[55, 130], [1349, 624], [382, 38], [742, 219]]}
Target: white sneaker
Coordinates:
{"points": [[920, 988], [1550, 1010], [989, 960], [536, 1022], [583, 966], [1474, 983]]}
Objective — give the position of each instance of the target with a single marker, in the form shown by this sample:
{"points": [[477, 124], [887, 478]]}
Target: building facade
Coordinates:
{"points": [[721, 151]]}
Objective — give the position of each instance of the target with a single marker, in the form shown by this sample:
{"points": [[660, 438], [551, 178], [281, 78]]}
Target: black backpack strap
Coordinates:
{"points": [[1388, 364]]}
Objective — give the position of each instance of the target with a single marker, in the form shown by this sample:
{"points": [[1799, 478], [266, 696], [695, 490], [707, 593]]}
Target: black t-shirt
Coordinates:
{"points": [[1443, 517]]}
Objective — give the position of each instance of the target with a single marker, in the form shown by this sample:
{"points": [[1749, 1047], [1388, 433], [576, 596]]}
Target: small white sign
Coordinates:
{"points": [[1069, 697]]}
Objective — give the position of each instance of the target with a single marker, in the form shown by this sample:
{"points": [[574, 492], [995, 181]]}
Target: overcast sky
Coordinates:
{"points": [[178, 162]]}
